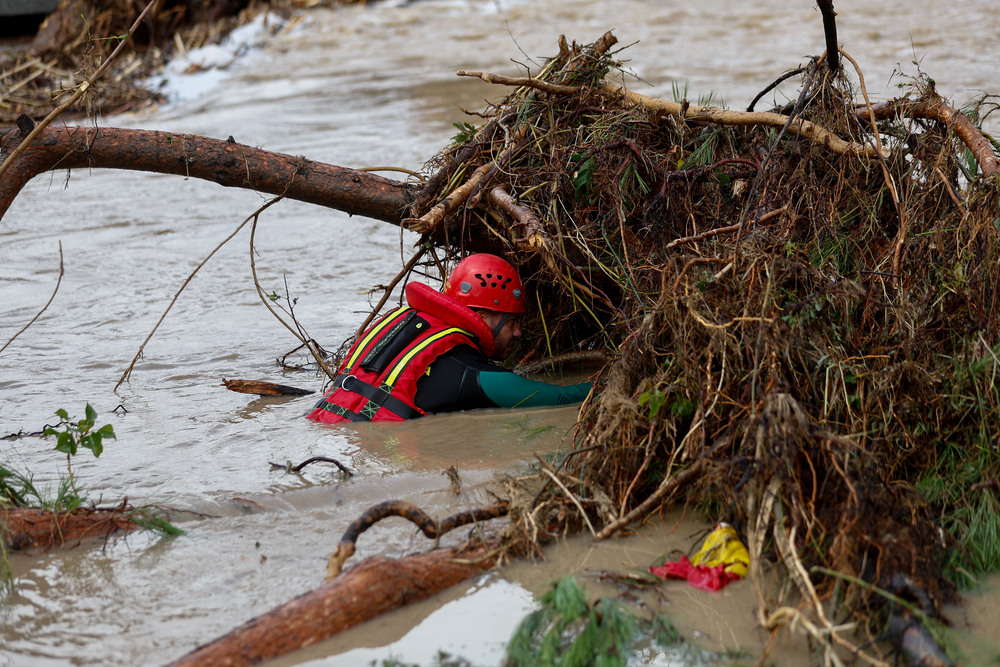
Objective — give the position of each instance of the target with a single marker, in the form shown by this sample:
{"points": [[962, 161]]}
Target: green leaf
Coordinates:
{"points": [[466, 132], [66, 443], [107, 431], [582, 174], [91, 413], [654, 399], [93, 443], [62, 414], [682, 409]]}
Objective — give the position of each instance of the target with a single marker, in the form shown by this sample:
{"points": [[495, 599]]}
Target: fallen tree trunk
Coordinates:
{"points": [[225, 162], [32, 528], [370, 588]]}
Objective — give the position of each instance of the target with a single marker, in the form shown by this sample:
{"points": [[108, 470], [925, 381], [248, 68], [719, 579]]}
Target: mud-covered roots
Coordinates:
{"points": [[803, 324]]}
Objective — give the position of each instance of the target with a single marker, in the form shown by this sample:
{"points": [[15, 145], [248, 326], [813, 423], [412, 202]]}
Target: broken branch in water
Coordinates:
{"points": [[427, 525], [263, 388], [31, 527], [316, 459]]}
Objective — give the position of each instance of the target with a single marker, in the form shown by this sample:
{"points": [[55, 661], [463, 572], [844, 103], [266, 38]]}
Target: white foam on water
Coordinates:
{"points": [[199, 71]]}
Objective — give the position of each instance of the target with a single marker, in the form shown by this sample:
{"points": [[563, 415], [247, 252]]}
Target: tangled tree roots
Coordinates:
{"points": [[802, 309]]}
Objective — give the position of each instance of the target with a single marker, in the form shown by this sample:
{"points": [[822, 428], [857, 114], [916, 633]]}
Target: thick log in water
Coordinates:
{"points": [[370, 588], [31, 528], [225, 162]]}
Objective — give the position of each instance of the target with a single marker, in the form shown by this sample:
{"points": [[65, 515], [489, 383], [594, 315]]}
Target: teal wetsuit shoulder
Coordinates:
{"points": [[462, 379], [509, 390]]}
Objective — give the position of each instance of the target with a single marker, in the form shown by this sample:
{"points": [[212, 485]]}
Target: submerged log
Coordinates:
{"points": [[32, 528], [370, 588]]}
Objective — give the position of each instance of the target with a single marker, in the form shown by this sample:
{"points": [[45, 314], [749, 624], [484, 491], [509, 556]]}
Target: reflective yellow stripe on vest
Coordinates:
{"points": [[402, 363], [374, 332]]}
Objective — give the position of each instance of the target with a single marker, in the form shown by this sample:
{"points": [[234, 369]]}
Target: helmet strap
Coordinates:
{"points": [[500, 325]]}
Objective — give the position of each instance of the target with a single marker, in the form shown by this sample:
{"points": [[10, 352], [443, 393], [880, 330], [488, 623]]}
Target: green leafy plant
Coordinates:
{"points": [[80, 433], [567, 631], [18, 489], [465, 133], [77, 434]]}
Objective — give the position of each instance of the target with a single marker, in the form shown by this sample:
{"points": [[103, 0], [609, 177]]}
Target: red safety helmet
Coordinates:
{"points": [[486, 281]]}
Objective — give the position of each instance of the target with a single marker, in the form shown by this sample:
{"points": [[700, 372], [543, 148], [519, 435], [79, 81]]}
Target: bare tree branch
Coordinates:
{"points": [[221, 161]]}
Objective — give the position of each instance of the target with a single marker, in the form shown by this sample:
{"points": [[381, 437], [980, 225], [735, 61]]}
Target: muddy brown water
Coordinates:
{"points": [[371, 86]]}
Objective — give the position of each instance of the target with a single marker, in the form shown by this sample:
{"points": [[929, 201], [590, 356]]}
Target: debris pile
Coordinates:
{"points": [[74, 40], [800, 309]]}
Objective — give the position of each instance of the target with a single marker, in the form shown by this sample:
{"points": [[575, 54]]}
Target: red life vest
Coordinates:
{"points": [[378, 379]]}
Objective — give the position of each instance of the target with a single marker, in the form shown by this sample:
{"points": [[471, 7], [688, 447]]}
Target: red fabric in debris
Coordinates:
{"points": [[700, 576]]}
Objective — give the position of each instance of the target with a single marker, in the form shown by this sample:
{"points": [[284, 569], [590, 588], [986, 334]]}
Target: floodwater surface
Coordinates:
{"points": [[359, 87]]}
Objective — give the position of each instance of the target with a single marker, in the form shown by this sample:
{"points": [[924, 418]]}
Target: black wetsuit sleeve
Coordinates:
{"points": [[451, 382], [461, 379]]}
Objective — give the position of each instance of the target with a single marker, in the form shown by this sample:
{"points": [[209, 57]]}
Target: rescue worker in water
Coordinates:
{"points": [[433, 355]]}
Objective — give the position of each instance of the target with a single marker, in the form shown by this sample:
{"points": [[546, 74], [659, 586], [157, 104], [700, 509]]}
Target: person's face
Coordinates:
{"points": [[507, 334]]}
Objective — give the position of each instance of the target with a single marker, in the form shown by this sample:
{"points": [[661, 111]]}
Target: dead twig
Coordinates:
{"points": [[427, 222], [670, 484], [138, 355], [528, 82], [801, 127], [298, 331], [45, 307], [387, 290]]}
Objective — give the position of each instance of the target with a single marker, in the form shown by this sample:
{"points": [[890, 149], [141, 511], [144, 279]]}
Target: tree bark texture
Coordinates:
{"points": [[221, 161], [370, 588], [31, 528]]}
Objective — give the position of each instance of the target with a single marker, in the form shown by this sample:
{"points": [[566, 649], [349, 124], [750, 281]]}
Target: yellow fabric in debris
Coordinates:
{"points": [[723, 547]]}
